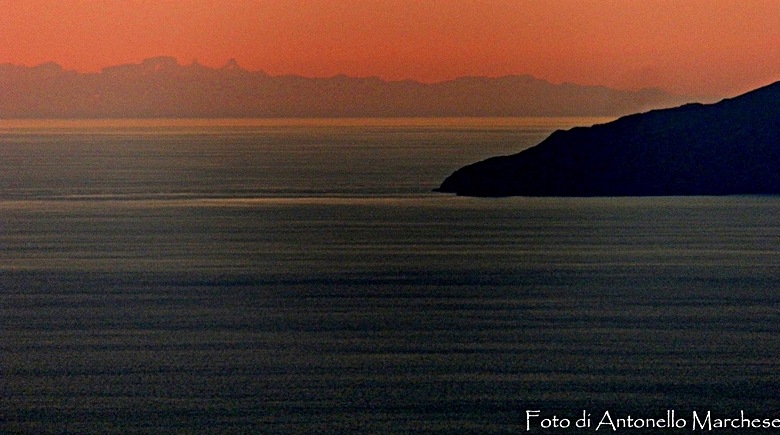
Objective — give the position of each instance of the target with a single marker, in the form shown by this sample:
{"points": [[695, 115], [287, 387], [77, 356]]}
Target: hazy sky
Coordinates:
{"points": [[715, 47]]}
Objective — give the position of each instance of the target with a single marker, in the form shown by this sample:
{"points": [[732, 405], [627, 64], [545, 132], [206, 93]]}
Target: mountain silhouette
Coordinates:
{"points": [[160, 87], [730, 147]]}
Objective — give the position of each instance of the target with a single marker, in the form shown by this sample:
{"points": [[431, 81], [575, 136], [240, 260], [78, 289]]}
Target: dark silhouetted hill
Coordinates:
{"points": [[730, 147], [160, 87]]}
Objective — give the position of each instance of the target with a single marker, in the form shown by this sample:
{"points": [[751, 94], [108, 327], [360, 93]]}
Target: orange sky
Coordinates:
{"points": [[703, 47]]}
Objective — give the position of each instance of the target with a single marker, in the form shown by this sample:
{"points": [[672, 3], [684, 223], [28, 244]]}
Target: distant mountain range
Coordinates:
{"points": [[731, 147], [160, 87]]}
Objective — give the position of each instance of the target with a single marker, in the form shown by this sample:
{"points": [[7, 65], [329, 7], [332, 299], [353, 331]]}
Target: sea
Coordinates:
{"points": [[300, 276]]}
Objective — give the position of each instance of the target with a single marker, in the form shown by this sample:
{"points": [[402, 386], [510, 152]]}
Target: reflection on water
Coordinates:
{"points": [[252, 158], [165, 284]]}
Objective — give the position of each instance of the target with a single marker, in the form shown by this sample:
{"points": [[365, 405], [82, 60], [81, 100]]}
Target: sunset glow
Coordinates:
{"points": [[716, 47]]}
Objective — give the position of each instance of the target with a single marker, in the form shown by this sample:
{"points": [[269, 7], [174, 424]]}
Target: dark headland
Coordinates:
{"points": [[726, 148]]}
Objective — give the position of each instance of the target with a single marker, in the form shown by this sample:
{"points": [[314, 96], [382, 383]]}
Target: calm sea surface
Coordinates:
{"points": [[298, 276]]}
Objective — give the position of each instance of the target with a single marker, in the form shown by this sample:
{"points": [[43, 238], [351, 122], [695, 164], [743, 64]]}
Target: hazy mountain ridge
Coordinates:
{"points": [[730, 147], [160, 87]]}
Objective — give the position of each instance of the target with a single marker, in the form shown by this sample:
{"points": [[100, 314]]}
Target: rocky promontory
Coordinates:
{"points": [[726, 148]]}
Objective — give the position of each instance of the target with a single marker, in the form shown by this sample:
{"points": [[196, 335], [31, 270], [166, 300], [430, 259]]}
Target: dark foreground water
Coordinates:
{"points": [[298, 277]]}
